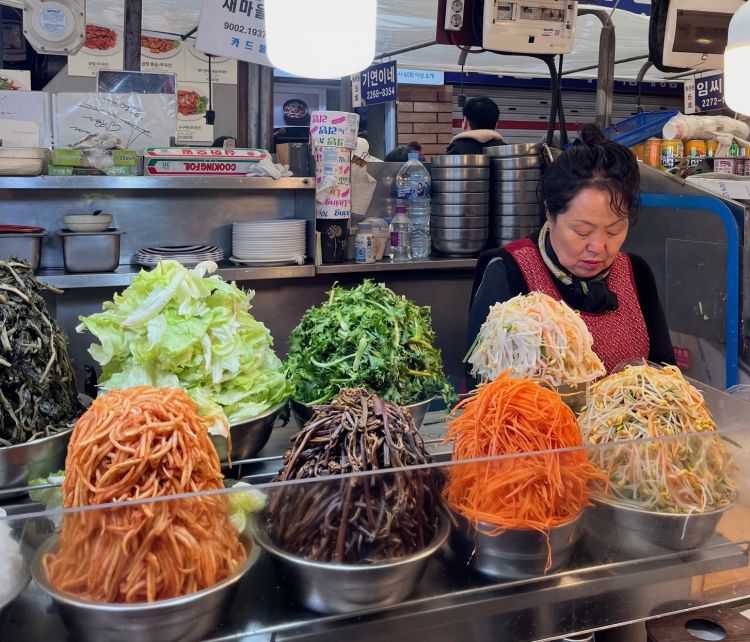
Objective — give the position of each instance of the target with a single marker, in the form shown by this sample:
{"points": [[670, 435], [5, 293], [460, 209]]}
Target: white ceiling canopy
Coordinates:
{"points": [[403, 23]]}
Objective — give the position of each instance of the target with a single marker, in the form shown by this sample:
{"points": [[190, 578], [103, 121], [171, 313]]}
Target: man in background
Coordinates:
{"points": [[480, 119]]}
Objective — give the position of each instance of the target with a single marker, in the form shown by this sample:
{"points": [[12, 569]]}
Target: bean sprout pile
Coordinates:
{"points": [[535, 337], [693, 474]]}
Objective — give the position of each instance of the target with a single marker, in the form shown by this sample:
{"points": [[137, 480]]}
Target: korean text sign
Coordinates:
{"points": [[233, 28], [376, 84]]}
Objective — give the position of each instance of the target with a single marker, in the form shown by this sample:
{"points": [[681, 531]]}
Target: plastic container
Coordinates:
{"points": [[639, 128], [401, 234], [91, 251], [22, 161], [413, 192], [381, 234], [364, 244]]}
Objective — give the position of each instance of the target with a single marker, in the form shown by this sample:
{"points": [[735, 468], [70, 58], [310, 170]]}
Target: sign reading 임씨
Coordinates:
{"points": [[709, 92], [233, 28], [374, 85]]}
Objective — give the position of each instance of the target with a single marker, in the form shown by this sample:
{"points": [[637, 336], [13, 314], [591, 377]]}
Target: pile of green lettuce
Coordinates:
{"points": [[366, 337], [181, 328]]}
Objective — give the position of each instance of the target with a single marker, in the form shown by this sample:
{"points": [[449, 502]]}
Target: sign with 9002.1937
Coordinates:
{"points": [[374, 85]]}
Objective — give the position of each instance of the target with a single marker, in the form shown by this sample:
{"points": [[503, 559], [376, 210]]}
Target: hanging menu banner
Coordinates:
{"points": [[233, 28]]}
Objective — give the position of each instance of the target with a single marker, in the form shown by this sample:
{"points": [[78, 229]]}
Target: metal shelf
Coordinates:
{"points": [[431, 263], [155, 182], [125, 274]]}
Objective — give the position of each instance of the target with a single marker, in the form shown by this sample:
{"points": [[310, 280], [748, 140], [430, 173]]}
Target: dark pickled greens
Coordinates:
{"points": [[366, 337], [38, 394]]}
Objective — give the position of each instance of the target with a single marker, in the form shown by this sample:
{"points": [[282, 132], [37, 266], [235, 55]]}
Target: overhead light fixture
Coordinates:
{"points": [[321, 39], [737, 61]]}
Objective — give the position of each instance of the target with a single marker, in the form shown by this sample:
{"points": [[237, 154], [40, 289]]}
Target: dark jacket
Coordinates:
{"points": [[474, 141]]}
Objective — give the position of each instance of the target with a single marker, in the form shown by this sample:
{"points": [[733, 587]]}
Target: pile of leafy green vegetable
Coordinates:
{"points": [[367, 337], [178, 327]]}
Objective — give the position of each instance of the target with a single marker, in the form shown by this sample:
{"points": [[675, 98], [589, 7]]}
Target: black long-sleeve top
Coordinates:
{"points": [[498, 278]]}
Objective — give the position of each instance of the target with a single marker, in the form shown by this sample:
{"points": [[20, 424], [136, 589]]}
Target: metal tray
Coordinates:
{"points": [[460, 222], [460, 160], [460, 210], [516, 162], [505, 151], [460, 198], [460, 173], [460, 186], [516, 175]]}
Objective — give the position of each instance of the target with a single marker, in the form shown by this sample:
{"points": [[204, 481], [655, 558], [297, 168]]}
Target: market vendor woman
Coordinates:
{"points": [[591, 197]]}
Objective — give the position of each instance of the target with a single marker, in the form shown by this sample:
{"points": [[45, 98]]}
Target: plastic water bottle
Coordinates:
{"points": [[401, 236], [413, 191]]}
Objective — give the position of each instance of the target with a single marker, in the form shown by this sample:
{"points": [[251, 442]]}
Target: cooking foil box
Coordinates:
{"points": [[183, 161]]}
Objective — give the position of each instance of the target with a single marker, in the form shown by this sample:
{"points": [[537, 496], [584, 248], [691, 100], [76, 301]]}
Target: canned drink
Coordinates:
{"points": [[639, 151], [652, 152], [711, 147], [695, 147], [725, 165], [739, 167], [671, 150], [747, 168]]}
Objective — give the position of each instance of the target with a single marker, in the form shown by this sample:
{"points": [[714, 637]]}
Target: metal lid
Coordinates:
{"points": [[524, 149], [460, 160]]}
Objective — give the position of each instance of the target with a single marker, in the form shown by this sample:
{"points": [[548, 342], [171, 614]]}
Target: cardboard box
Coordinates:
{"points": [[77, 157], [185, 161], [67, 170]]}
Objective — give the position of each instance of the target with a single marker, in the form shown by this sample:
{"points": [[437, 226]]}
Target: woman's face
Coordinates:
{"points": [[588, 235]]}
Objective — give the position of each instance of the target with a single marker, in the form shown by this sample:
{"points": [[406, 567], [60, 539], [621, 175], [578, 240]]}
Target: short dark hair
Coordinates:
{"points": [[414, 146], [398, 155], [481, 112], [593, 161]]}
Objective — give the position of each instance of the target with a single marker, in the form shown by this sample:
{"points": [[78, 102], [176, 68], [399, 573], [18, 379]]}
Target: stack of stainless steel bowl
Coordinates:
{"points": [[459, 221], [515, 209]]}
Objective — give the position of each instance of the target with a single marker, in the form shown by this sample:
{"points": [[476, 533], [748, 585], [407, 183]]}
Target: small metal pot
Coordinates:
{"points": [[460, 222], [517, 197], [460, 173], [343, 588], [458, 248], [460, 160], [643, 533], [303, 413], [461, 235], [517, 232], [503, 220], [505, 151], [460, 186], [27, 247], [248, 437], [460, 198], [516, 554], [517, 162], [91, 251], [184, 619], [459, 210], [515, 175]]}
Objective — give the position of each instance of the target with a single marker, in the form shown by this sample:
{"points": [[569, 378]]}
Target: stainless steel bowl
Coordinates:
{"points": [[460, 160], [458, 248], [504, 151], [517, 232], [459, 210], [460, 198], [344, 588], [38, 458], [303, 413], [515, 175], [517, 209], [446, 234], [643, 533], [248, 437], [516, 554], [503, 220], [460, 186], [517, 162], [20, 582], [460, 222], [516, 198], [515, 192], [460, 173], [182, 619]]}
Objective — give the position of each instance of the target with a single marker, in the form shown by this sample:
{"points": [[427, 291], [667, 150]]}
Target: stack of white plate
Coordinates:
{"points": [[274, 242], [188, 255]]}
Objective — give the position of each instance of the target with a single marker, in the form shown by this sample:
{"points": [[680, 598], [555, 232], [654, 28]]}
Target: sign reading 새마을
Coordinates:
{"points": [[233, 28], [375, 85]]}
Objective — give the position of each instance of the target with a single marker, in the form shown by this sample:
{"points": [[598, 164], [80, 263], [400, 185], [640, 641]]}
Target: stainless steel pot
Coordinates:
{"points": [[248, 437], [343, 588], [183, 619], [460, 198], [505, 151], [460, 222], [517, 162], [516, 554], [510, 220], [460, 160], [526, 195], [458, 248], [516, 209], [460, 186], [446, 234], [27, 247], [459, 210], [515, 176], [460, 173], [514, 232]]}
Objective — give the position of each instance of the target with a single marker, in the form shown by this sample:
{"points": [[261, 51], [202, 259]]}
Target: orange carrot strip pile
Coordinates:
{"points": [[133, 444], [538, 491]]}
